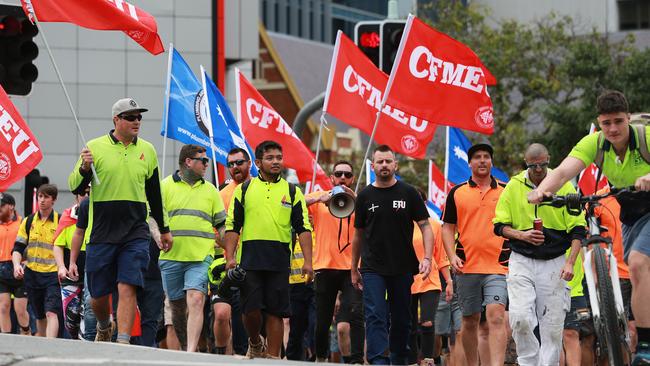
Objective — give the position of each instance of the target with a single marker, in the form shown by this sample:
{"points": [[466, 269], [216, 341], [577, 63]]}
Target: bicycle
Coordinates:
{"points": [[608, 313]]}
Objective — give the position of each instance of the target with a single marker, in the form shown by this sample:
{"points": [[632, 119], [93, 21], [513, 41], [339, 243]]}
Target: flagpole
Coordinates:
{"points": [[65, 91], [320, 132], [372, 136], [166, 117], [207, 106], [446, 157]]}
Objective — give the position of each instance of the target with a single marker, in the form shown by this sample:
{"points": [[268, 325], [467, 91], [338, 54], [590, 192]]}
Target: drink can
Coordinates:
{"points": [[537, 224]]}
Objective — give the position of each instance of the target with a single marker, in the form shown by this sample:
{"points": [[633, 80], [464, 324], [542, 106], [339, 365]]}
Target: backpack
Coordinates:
{"points": [[600, 153]]}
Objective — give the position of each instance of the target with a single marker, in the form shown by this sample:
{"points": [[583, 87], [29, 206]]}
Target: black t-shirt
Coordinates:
{"points": [[387, 216]]}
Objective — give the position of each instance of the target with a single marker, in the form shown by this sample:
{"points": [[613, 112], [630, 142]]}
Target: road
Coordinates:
{"points": [[18, 350]]}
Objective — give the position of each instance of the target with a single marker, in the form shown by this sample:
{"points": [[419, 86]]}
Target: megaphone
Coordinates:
{"points": [[341, 204]]}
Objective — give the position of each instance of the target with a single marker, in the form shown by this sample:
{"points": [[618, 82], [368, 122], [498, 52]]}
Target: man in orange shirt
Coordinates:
{"points": [[426, 293], [481, 279], [332, 258], [229, 310], [9, 225]]}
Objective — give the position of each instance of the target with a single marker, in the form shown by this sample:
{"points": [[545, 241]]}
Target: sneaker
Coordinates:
{"points": [[642, 357], [427, 362], [256, 350], [105, 335]]}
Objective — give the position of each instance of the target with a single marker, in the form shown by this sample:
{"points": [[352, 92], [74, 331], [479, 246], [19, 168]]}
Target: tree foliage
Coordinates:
{"points": [[549, 74]]}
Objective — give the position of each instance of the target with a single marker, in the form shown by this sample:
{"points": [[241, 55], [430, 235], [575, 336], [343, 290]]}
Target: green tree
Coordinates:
{"points": [[549, 74]]}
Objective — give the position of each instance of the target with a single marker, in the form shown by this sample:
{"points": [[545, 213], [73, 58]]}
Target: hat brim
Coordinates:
{"points": [[479, 147], [134, 110]]}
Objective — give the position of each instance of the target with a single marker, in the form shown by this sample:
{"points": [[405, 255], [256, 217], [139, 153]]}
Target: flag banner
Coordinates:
{"points": [[354, 93], [187, 115], [437, 194], [20, 153], [587, 178], [100, 15], [441, 80], [457, 168], [226, 134], [261, 122]]}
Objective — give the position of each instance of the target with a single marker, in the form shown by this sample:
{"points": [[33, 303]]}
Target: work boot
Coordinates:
{"points": [[105, 335], [642, 357], [256, 350]]}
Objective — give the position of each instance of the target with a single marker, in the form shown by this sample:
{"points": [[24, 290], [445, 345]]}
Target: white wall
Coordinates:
{"points": [[99, 67], [601, 14]]}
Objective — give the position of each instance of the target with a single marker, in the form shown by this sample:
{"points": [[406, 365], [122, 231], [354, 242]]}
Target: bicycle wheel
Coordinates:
{"points": [[611, 332]]}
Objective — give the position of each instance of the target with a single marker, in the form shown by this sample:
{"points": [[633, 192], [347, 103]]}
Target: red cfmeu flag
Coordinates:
{"points": [[260, 122], [441, 80], [100, 15], [587, 178], [354, 93], [19, 150]]}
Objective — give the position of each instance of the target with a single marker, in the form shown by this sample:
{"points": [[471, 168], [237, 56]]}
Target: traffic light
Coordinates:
{"points": [[17, 51], [391, 35], [367, 38]]}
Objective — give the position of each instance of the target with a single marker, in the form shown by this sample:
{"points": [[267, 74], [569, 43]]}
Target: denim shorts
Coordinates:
{"points": [[178, 277], [110, 264], [637, 237], [448, 316]]}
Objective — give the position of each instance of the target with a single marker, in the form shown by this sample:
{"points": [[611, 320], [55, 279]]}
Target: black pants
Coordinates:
{"points": [[427, 304], [302, 300], [327, 284]]}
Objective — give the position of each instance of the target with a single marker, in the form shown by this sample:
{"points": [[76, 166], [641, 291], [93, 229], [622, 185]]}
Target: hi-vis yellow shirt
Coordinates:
{"points": [[39, 253]]}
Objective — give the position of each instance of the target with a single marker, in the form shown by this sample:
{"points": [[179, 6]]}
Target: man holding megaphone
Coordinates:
{"points": [[333, 217]]}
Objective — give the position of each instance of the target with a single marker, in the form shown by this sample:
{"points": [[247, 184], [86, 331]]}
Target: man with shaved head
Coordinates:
{"points": [[539, 270]]}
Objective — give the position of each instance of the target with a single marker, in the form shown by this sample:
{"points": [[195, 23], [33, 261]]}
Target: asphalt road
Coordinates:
{"points": [[18, 350]]}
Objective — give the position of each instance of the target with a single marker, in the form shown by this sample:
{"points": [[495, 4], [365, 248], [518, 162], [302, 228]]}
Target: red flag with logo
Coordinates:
{"points": [[100, 15], [441, 80], [354, 93], [587, 178], [260, 122], [20, 153]]}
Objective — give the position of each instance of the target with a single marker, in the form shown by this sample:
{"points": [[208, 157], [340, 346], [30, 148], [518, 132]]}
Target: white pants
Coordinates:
{"points": [[537, 295]]}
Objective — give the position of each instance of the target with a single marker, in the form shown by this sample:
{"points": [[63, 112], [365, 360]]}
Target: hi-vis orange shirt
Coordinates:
{"points": [[226, 193], [8, 233], [330, 251], [439, 260], [609, 214], [472, 212]]}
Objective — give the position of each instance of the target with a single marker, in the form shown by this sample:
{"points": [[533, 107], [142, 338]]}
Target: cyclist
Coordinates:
{"points": [[624, 165]]}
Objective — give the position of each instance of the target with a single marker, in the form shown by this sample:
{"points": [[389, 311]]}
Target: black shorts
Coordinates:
{"points": [[43, 293], [15, 287], [626, 293], [215, 299], [428, 305], [267, 291]]}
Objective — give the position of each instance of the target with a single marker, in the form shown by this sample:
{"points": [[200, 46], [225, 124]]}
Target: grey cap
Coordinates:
{"points": [[126, 105]]}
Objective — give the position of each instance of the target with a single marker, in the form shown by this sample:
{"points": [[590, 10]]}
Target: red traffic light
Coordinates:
{"points": [[369, 40]]}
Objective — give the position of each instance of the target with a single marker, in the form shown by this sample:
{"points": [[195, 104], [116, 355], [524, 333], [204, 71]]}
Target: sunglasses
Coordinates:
{"points": [[340, 174], [205, 161], [536, 166], [131, 118], [231, 164]]}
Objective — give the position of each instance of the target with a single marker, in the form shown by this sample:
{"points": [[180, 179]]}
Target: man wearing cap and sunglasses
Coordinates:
{"points": [[127, 182], [197, 221], [331, 260]]}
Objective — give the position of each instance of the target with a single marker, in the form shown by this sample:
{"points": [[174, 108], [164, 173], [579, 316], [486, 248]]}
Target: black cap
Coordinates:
{"points": [[479, 147], [7, 199]]}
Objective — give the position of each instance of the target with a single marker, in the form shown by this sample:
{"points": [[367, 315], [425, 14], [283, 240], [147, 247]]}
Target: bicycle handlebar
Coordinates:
{"points": [[575, 202]]}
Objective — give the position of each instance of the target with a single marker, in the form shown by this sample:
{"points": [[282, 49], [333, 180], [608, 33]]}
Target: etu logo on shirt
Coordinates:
{"points": [[285, 203], [399, 204]]}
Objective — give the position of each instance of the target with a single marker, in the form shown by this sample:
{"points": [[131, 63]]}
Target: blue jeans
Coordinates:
{"points": [[377, 312], [150, 302], [90, 321]]}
